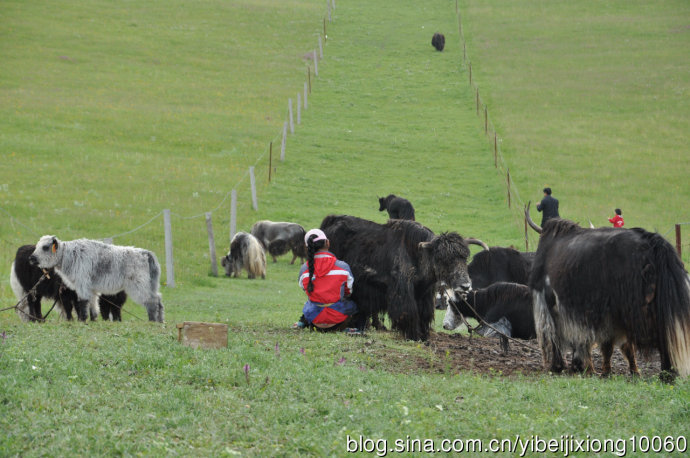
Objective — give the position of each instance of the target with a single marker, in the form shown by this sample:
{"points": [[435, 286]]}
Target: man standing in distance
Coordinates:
{"points": [[549, 207]]}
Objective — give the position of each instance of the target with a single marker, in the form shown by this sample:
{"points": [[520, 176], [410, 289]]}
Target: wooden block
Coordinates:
{"points": [[197, 334]]}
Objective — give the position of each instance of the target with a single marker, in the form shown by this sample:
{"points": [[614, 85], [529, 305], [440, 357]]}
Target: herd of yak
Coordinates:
{"points": [[582, 287]]}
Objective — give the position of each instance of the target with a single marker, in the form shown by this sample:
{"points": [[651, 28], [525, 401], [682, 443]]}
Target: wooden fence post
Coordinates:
{"points": [[470, 65], [508, 185], [486, 121], [252, 182], [495, 151], [169, 269], [211, 245], [678, 244], [305, 95], [282, 145], [233, 214], [316, 65]]}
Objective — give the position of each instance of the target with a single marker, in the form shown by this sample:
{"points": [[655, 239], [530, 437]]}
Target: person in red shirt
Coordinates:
{"points": [[617, 219], [328, 283]]}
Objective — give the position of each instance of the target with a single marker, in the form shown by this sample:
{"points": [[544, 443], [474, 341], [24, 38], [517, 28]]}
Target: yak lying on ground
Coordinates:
{"points": [[438, 41], [397, 266], [397, 207], [24, 276], [90, 267], [509, 301], [245, 252], [280, 237], [606, 286]]}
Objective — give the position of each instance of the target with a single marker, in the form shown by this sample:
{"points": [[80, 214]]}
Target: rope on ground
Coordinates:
{"points": [[485, 323]]}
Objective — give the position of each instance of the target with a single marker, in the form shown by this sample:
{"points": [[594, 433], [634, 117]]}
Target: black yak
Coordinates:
{"points": [[397, 207], [245, 252], [397, 266], [438, 41], [605, 286], [24, 276], [511, 301], [280, 237], [500, 264]]}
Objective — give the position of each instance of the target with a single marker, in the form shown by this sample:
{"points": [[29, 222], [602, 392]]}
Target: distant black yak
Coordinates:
{"points": [[438, 41], [397, 267], [606, 286], [397, 207]]}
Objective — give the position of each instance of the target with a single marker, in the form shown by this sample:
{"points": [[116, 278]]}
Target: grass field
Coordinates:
{"points": [[165, 105]]}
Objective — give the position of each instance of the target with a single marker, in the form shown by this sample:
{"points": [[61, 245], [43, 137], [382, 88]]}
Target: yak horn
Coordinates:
{"points": [[591, 226], [531, 223], [473, 241]]}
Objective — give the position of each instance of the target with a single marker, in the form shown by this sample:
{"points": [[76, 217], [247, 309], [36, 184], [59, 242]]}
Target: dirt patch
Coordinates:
{"points": [[461, 353]]}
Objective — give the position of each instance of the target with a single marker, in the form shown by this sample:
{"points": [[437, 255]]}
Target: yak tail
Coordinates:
{"points": [[546, 329], [672, 304], [257, 259]]}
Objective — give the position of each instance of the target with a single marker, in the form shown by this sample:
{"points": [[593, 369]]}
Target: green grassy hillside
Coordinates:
{"points": [[112, 113]]}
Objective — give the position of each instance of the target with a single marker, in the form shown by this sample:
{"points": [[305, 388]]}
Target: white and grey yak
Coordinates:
{"points": [[90, 267]]}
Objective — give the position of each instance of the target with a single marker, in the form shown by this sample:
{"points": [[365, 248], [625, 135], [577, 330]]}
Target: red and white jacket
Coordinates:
{"points": [[332, 279], [617, 221]]}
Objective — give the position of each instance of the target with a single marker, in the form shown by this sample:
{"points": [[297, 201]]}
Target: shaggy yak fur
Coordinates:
{"points": [[397, 207], [245, 252], [438, 41], [90, 267], [511, 301], [606, 286], [23, 278], [396, 268], [500, 264], [279, 238]]}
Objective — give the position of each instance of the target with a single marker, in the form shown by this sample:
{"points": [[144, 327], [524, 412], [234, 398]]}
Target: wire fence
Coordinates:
{"points": [[513, 198], [197, 233]]}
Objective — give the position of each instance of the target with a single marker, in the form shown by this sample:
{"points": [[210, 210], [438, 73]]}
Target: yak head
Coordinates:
{"points": [[444, 259], [46, 254], [384, 201]]}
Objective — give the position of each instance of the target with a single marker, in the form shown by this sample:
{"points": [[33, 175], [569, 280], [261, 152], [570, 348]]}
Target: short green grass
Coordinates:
{"points": [[168, 105]]}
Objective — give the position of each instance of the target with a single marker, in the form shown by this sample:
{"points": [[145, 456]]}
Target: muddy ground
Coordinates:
{"points": [[460, 353]]}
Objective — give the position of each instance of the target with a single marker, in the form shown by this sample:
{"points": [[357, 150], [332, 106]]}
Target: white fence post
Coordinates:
{"points": [[316, 64], [282, 144], [252, 181], [233, 214], [292, 123], [169, 270], [320, 48], [211, 245]]}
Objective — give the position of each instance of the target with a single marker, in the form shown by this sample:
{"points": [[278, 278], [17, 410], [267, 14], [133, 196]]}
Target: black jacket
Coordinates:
{"points": [[549, 206]]}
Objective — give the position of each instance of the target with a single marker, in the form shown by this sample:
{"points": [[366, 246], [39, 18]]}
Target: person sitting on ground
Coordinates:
{"points": [[328, 283], [617, 219], [548, 205]]}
